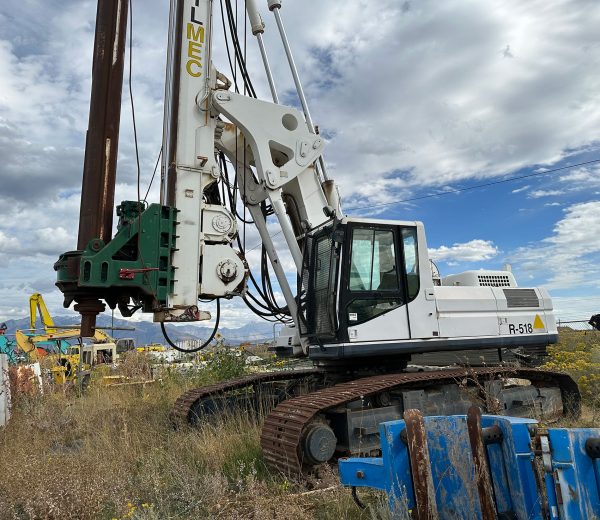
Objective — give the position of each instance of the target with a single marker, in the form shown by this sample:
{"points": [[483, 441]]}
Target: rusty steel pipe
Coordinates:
{"points": [[483, 478], [102, 141], [101, 146], [420, 467]]}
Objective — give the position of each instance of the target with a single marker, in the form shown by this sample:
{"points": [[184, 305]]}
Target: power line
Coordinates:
{"points": [[260, 243], [476, 186], [457, 190]]}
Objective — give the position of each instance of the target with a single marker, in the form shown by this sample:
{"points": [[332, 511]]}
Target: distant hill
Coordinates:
{"points": [[147, 332]]}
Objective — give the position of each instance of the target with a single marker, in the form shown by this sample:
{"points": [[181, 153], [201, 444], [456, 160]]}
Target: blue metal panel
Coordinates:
{"points": [[390, 473], [396, 462], [511, 467], [572, 478], [575, 484], [365, 472], [452, 468]]}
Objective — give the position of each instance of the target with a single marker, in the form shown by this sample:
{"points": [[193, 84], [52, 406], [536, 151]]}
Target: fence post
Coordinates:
{"points": [[4, 390]]}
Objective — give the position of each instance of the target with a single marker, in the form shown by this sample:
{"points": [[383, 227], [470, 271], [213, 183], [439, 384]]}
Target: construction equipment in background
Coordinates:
{"points": [[37, 343], [481, 468], [71, 365], [37, 304], [366, 304], [8, 346], [152, 347]]}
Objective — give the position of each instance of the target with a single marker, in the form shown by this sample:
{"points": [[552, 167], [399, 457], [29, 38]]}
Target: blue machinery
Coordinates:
{"points": [[488, 468], [8, 347]]}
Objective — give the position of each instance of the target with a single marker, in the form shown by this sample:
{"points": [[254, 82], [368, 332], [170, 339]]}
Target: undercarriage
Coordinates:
{"points": [[314, 416]]}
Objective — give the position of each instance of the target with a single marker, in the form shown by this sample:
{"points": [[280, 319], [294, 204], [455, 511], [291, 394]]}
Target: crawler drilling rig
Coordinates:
{"points": [[366, 302]]}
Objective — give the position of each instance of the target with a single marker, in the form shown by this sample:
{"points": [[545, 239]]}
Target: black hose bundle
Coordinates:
{"points": [[204, 345]]}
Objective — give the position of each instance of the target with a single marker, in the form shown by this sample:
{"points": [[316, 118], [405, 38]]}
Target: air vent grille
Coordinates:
{"points": [[521, 298], [493, 280]]}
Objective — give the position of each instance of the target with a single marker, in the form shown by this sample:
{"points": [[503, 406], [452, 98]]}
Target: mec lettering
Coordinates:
{"points": [[195, 42]]}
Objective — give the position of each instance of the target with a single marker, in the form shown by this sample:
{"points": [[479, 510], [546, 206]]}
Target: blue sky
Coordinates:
{"points": [[413, 97]]}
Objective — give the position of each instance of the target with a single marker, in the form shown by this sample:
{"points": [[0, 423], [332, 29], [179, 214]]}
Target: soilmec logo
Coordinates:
{"points": [[195, 44]]}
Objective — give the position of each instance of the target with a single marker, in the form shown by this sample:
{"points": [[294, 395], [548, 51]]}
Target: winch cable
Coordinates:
{"points": [[266, 283], [153, 174], [130, 83], [237, 90], [264, 305], [268, 308], [231, 189], [237, 49], [204, 345]]}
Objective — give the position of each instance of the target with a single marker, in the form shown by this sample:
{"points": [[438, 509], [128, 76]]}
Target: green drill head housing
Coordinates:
{"points": [[132, 271]]}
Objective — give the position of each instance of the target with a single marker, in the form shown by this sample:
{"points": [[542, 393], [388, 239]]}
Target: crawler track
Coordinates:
{"points": [[183, 410], [285, 426]]}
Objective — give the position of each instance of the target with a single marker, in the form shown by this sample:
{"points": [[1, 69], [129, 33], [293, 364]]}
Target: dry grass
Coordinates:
{"points": [[113, 454]]}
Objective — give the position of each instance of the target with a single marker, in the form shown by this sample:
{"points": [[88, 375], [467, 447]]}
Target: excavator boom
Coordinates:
{"points": [[36, 342], [37, 304]]}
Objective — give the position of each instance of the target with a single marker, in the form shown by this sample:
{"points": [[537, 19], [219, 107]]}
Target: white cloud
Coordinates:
{"points": [[584, 178], [8, 244], [407, 95], [488, 121], [10, 247], [519, 190], [538, 194], [54, 241], [575, 307], [473, 251], [570, 257]]}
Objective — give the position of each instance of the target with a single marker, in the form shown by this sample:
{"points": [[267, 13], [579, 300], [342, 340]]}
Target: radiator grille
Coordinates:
{"points": [[521, 298], [316, 295], [303, 280], [494, 280]]}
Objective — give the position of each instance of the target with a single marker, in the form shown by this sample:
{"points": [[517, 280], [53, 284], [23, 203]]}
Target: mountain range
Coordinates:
{"points": [[145, 333]]}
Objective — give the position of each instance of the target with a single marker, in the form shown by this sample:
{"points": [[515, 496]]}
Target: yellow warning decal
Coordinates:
{"points": [[538, 323]]}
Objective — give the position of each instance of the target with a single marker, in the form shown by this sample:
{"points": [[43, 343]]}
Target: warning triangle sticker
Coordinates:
{"points": [[538, 323]]}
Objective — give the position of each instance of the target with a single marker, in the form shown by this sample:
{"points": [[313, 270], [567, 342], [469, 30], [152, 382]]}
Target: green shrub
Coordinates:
{"points": [[578, 354]]}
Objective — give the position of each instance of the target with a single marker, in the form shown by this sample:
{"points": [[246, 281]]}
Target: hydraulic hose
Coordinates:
{"points": [[204, 345]]}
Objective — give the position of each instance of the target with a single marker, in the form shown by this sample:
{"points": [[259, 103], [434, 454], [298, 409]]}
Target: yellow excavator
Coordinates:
{"points": [[55, 344], [37, 304], [38, 343]]}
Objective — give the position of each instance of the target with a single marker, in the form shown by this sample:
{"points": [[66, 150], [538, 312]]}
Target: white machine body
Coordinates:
{"points": [[471, 310], [365, 287]]}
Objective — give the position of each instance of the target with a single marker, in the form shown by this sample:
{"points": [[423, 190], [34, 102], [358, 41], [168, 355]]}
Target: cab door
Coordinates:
{"points": [[373, 296]]}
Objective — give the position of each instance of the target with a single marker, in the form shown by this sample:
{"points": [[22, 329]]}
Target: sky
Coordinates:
{"points": [[414, 98]]}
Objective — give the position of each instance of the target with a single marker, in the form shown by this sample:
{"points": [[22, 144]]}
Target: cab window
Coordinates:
{"points": [[373, 261], [374, 281], [411, 261]]}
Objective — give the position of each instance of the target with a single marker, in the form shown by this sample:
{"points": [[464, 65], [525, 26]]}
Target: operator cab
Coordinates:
{"points": [[367, 291], [356, 271]]}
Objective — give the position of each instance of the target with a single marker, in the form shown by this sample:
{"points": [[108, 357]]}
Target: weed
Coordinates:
{"points": [[578, 354], [112, 454], [225, 363]]}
